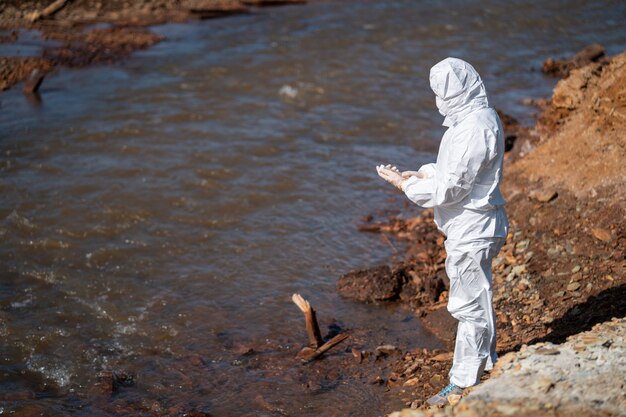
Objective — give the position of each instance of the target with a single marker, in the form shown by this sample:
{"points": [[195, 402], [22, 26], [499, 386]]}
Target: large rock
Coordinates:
{"points": [[375, 284], [405, 282], [563, 67]]}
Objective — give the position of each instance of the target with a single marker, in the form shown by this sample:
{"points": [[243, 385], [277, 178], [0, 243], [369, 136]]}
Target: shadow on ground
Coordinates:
{"points": [[582, 317]]}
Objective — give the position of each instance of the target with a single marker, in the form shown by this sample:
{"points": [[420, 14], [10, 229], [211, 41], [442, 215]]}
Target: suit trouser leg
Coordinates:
{"points": [[468, 266]]}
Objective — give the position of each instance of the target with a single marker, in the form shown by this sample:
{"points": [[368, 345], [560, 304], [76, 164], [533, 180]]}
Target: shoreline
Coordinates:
{"points": [[525, 267], [94, 32], [561, 272]]}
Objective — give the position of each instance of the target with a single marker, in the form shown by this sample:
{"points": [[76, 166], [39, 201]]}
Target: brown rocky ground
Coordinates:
{"points": [[562, 269], [77, 26], [581, 377]]}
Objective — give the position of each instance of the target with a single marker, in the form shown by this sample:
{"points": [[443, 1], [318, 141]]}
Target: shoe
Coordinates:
{"points": [[441, 398]]}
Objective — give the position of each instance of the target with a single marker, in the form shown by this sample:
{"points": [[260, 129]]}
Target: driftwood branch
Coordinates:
{"points": [[308, 354], [48, 11], [316, 347], [312, 328]]}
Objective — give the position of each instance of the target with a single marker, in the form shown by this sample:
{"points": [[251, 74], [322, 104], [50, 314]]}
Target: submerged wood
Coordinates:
{"points": [[308, 354], [312, 328], [316, 347]]}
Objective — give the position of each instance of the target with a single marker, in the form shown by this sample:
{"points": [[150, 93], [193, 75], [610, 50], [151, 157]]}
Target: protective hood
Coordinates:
{"points": [[459, 89]]}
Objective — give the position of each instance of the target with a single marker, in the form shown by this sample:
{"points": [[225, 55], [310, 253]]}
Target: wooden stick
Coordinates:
{"points": [[312, 328], [48, 11], [307, 355]]}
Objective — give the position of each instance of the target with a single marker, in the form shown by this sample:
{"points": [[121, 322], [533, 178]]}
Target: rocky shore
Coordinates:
{"points": [[559, 282], [77, 33], [582, 377]]}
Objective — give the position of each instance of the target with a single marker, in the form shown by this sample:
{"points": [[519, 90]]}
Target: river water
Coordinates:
{"points": [[157, 215]]}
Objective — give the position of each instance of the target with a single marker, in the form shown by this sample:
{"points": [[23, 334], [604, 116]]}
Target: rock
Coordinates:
{"points": [[441, 324], [577, 277], [244, 350], [375, 284], [436, 380], [207, 9], [547, 351], [468, 412], [568, 94], [507, 409], [385, 350], [601, 234], [543, 196], [407, 412], [562, 67], [454, 399], [108, 382], [522, 245], [411, 382], [573, 286], [419, 286], [518, 270], [378, 380], [579, 380], [442, 357], [542, 384]]}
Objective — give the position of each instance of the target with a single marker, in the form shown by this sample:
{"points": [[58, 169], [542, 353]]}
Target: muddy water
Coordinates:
{"points": [[156, 216]]}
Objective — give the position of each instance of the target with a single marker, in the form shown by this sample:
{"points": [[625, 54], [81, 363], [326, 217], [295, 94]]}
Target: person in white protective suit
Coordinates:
{"points": [[463, 188]]}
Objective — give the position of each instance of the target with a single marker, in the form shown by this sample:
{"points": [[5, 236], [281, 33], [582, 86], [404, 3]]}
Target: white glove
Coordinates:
{"points": [[408, 174], [425, 171], [391, 174]]}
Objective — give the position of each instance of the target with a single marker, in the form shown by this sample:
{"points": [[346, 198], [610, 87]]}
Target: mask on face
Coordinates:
{"points": [[441, 106]]}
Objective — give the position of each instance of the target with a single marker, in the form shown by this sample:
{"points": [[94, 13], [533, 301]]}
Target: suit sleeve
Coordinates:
{"points": [[450, 182]]}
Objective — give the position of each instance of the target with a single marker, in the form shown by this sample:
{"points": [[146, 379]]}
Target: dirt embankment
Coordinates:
{"points": [[562, 269], [90, 31]]}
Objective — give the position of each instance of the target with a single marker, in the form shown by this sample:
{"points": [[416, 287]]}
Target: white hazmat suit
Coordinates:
{"points": [[463, 188]]}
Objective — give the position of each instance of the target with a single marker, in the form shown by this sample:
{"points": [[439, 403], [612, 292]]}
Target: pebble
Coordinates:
{"points": [[543, 196], [411, 382], [454, 399], [407, 412], [436, 379], [547, 351], [385, 350], [601, 234]]}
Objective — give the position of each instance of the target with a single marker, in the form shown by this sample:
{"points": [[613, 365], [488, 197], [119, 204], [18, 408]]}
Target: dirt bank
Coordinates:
{"points": [[90, 31], [562, 269]]}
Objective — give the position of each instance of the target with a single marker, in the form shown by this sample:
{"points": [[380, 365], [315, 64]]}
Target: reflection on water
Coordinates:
{"points": [[158, 214]]}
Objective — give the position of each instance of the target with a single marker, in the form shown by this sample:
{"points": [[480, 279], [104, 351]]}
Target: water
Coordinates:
{"points": [[157, 215]]}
